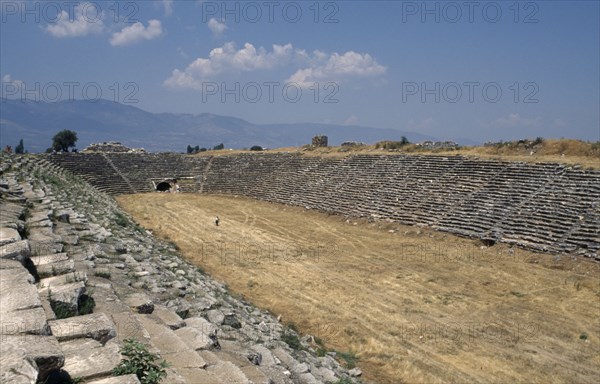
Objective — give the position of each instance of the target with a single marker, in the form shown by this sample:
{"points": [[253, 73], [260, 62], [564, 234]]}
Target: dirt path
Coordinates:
{"points": [[414, 305]]}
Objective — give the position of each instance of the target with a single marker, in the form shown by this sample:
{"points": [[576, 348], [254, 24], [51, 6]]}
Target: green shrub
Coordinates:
{"points": [[121, 220], [256, 148], [349, 357], [290, 337], [141, 362]]}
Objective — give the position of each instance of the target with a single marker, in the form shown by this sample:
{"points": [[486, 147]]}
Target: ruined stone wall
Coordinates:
{"points": [[547, 207]]}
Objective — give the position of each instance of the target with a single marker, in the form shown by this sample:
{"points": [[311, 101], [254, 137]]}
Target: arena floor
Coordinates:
{"points": [[414, 305]]}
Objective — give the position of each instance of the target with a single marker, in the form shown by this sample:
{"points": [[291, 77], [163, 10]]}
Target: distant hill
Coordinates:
{"points": [[37, 122]]}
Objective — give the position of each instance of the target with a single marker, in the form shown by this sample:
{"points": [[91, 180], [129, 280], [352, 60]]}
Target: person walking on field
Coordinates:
{"points": [[217, 221]]}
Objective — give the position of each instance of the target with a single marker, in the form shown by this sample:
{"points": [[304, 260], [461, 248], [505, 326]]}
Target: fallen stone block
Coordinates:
{"points": [[22, 353], [49, 259], [67, 278], [89, 359], [169, 318], [96, 326], [31, 321], [140, 303], [23, 294], [55, 269], [15, 250], [65, 296], [9, 235], [194, 338]]}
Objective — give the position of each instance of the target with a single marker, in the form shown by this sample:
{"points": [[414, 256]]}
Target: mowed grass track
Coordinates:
{"points": [[415, 306]]}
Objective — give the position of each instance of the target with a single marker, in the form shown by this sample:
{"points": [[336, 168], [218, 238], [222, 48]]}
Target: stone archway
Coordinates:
{"points": [[165, 186]]}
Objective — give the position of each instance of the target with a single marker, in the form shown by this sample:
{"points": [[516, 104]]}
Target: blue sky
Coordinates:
{"points": [[476, 70]]}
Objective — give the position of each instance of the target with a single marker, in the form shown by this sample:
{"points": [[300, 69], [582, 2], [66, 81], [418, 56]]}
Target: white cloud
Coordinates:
{"points": [[168, 7], [228, 58], [421, 125], [10, 86], [86, 20], [315, 67], [216, 26], [336, 67], [137, 32], [351, 120], [515, 120]]}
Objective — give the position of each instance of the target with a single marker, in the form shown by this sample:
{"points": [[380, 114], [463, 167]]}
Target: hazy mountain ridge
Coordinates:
{"points": [[37, 122]]}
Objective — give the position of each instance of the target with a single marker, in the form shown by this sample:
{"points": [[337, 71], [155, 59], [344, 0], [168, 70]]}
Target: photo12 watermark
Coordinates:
{"points": [[69, 11], [271, 11], [453, 92], [53, 91], [253, 92], [523, 12], [467, 332], [257, 253]]}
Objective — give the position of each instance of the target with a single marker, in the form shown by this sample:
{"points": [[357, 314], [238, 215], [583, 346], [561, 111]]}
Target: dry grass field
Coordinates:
{"points": [[414, 305], [563, 151]]}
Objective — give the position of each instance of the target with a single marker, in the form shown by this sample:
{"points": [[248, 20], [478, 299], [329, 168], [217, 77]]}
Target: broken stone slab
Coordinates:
{"points": [[168, 317], [201, 324], [36, 217], [58, 268], [10, 264], [228, 373], [45, 242], [16, 276], [128, 379], [140, 303], [9, 235], [195, 338], [89, 359], [215, 316], [31, 321], [21, 353], [65, 295], [49, 259], [67, 278], [15, 250], [97, 326], [22, 295]]}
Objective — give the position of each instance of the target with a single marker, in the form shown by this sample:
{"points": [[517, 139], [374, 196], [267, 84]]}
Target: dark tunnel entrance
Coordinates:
{"points": [[163, 187]]}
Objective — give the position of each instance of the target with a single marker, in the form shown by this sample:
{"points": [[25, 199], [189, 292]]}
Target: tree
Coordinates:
{"points": [[256, 148], [20, 148], [220, 146], [196, 149], [404, 140], [189, 149], [64, 140]]}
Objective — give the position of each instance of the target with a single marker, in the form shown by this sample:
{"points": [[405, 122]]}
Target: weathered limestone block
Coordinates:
{"points": [[9, 235], [15, 250], [30, 321], [57, 268], [96, 326], [170, 318], [67, 278], [140, 302], [49, 259], [66, 295], [18, 293], [32, 356], [195, 338], [89, 359]]}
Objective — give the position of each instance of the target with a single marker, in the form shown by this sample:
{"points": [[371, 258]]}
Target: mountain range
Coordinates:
{"points": [[36, 122]]}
